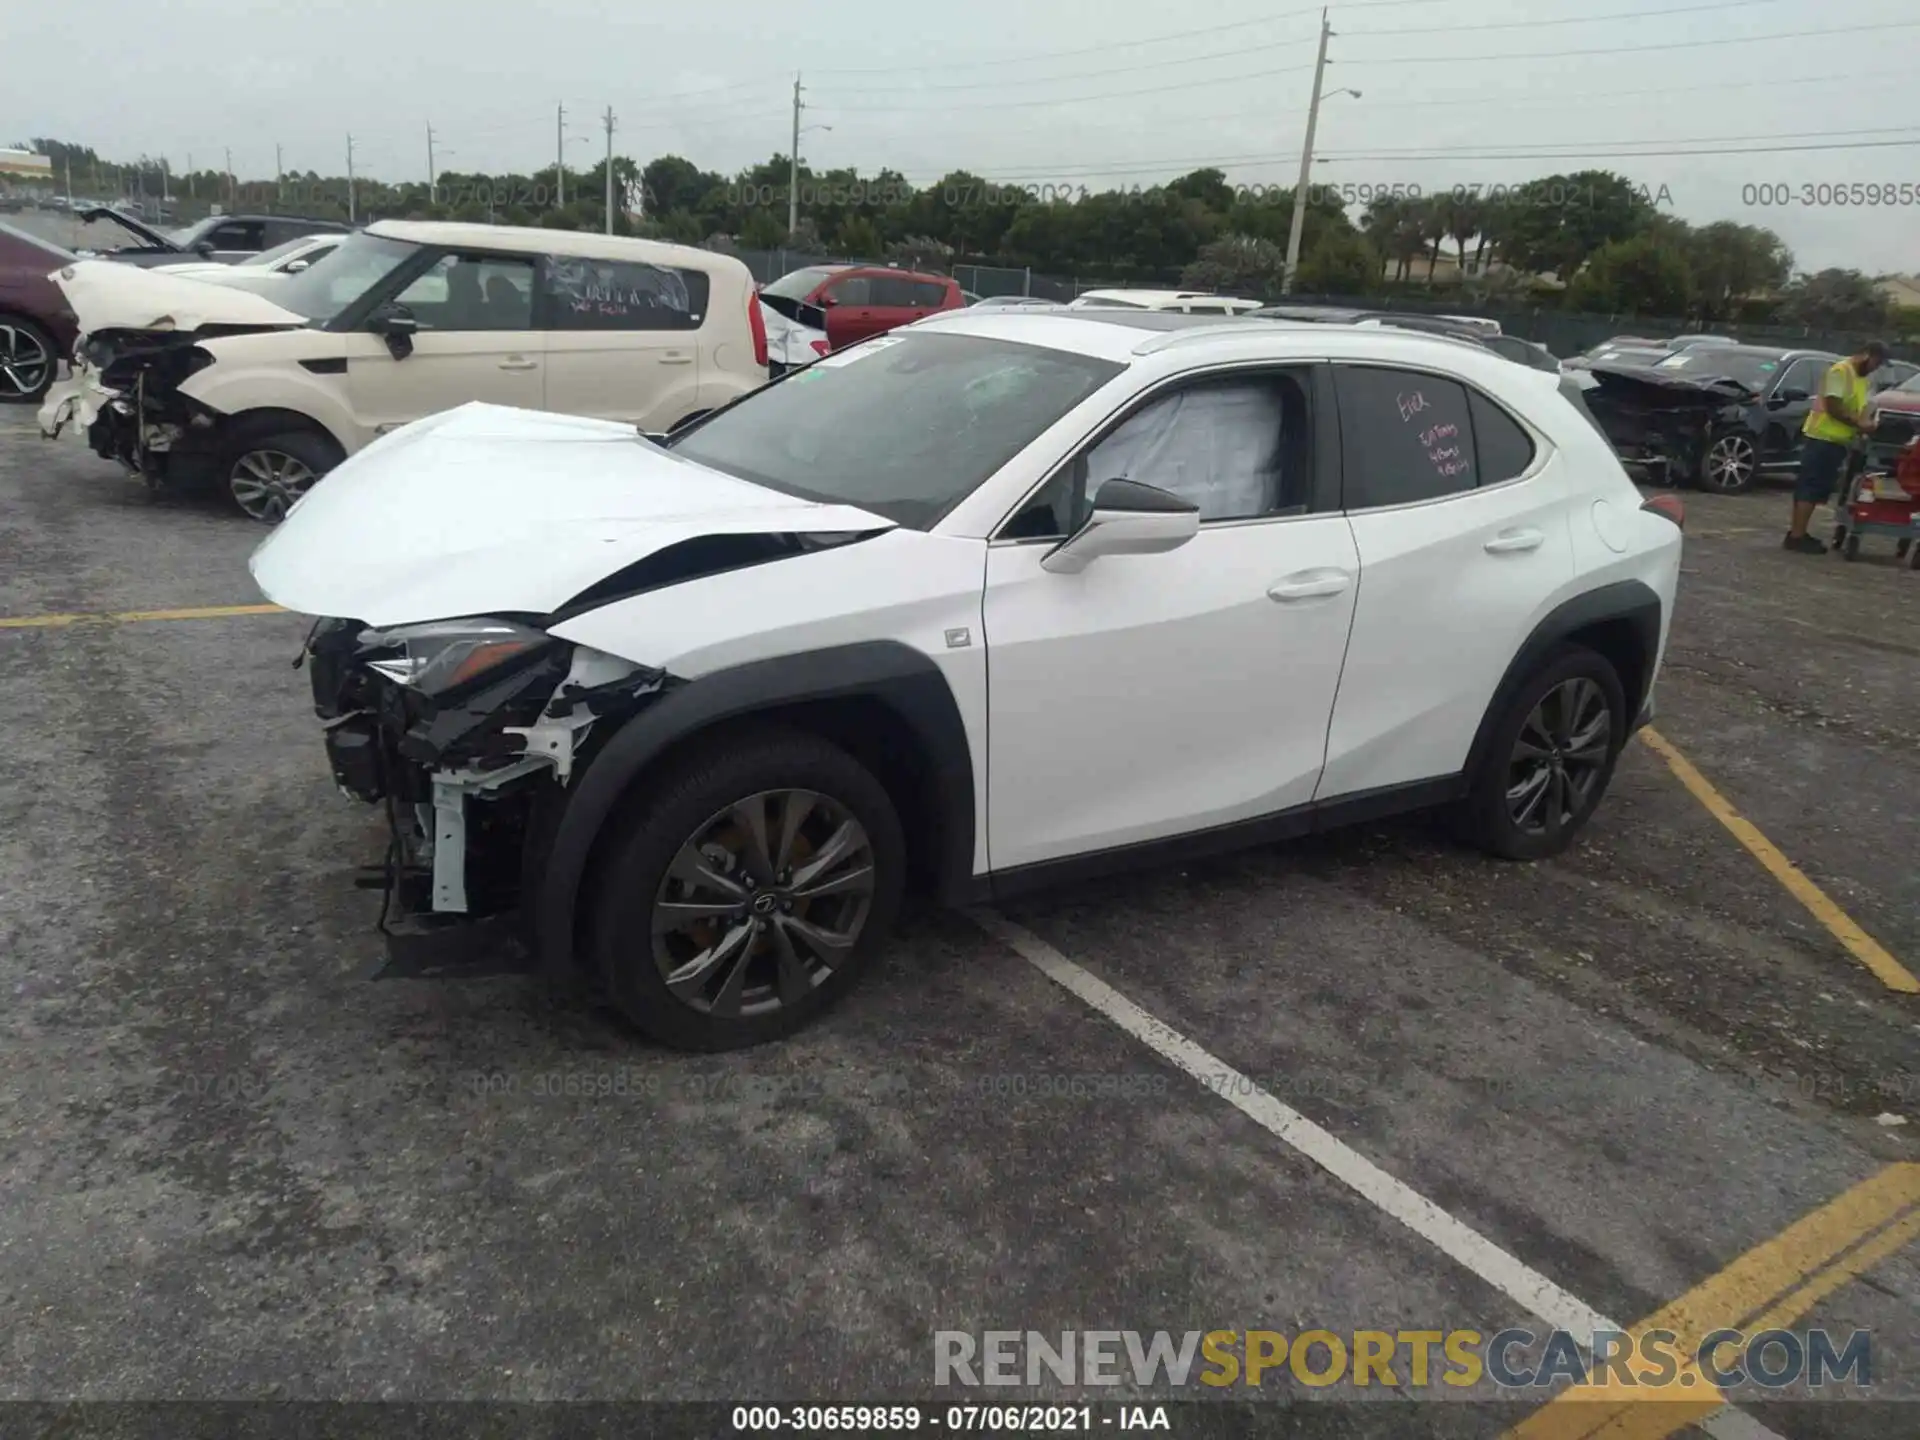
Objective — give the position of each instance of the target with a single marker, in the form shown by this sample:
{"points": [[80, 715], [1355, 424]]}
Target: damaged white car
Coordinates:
{"points": [[260, 391], [999, 599]]}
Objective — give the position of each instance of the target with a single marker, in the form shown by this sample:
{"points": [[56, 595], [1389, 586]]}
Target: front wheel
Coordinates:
{"points": [[266, 475], [1731, 464], [749, 892], [1553, 754]]}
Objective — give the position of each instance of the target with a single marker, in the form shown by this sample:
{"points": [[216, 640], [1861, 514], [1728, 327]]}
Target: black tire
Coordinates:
{"points": [[1730, 465], [1839, 539], [1850, 547], [256, 455], [1486, 817], [699, 791], [25, 380]]}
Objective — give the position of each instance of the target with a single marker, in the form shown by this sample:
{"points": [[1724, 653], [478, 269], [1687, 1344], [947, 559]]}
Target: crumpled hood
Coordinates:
{"points": [[106, 295], [486, 509]]}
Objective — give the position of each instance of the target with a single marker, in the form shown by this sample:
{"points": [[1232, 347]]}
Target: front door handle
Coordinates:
{"points": [[1511, 542], [1310, 585], [515, 362], [676, 357]]}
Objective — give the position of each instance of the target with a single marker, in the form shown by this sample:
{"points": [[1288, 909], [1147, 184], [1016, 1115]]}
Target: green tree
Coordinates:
{"points": [[1557, 223], [1244, 264], [1836, 299], [1733, 262], [1339, 264], [857, 236], [1645, 275]]}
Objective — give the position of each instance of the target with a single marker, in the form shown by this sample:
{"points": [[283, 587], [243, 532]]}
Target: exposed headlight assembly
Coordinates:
{"points": [[445, 656]]}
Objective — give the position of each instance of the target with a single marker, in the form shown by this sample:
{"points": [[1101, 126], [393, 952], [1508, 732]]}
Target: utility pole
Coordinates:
{"points": [[230, 195], [609, 169], [793, 164], [1306, 163], [560, 158], [69, 160], [433, 175], [279, 174], [193, 190], [352, 206], [165, 183]]}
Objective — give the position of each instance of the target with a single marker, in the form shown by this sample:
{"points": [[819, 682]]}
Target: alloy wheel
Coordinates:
{"points": [[25, 363], [1730, 463], [1560, 757], [762, 903], [265, 483]]}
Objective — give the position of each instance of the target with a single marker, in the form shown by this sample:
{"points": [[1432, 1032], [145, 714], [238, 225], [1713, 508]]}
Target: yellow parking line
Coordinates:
{"points": [[1769, 1287], [128, 617], [1862, 946]]}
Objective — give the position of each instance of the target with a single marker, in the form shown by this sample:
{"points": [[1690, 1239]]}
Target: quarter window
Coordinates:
{"points": [[1408, 436], [929, 294], [894, 291], [586, 294]]}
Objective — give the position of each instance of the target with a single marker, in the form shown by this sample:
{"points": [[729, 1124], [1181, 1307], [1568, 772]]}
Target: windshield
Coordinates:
{"points": [[336, 280], [905, 426], [798, 284], [1754, 369]]}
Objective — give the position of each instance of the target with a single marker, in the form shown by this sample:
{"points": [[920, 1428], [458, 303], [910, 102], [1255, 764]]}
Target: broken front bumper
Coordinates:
{"points": [[77, 402]]}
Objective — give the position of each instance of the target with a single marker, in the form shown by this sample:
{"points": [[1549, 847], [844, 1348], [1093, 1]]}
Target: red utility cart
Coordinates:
{"points": [[1883, 499]]}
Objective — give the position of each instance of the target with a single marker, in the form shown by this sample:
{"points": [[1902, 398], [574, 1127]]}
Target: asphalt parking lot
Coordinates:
{"points": [[245, 1159]]}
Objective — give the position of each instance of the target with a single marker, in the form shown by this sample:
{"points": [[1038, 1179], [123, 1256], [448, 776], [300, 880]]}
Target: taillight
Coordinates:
{"points": [[757, 323], [1669, 506]]}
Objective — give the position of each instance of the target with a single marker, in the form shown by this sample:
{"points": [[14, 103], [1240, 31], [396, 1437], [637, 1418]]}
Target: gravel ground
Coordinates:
{"points": [[245, 1159]]}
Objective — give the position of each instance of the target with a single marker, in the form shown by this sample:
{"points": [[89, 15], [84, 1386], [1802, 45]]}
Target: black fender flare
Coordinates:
{"points": [[1634, 601], [903, 679]]}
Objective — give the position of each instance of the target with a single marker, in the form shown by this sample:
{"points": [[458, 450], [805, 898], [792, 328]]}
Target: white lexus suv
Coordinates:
{"points": [[991, 600]]}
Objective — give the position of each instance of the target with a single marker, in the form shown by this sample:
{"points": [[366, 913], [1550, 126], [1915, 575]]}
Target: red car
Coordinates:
{"points": [[37, 330], [856, 301]]}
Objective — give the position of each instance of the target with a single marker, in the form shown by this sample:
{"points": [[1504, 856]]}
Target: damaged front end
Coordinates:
{"points": [[1658, 423], [125, 395], [469, 733]]}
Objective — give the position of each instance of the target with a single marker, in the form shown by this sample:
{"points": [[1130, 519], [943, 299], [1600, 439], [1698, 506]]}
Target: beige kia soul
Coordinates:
{"points": [[191, 384]]}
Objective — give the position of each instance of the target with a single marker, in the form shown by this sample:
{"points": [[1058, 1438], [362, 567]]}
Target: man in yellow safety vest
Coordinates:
{"points": [[1839, 416]]}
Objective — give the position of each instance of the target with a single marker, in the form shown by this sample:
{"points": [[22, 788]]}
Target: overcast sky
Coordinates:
{"points": [[1067, 93]]}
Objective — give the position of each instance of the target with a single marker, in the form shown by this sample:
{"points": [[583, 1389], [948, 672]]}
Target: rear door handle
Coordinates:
{"points": [[515, 362], [1310, 585], [1510, 542]]}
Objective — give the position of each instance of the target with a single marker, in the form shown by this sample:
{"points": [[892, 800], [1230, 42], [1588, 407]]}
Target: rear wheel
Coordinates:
{"points": [[1553, 754], [265, 474], [27, 361], [749, 892]]}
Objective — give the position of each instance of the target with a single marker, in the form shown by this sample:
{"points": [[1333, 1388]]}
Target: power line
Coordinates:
{"points": [[1662, 140], [1061, 100], [1660, 13], [1559, 98], [1634, 154], [1162, 39], [1095, 74], [1634, 49]]}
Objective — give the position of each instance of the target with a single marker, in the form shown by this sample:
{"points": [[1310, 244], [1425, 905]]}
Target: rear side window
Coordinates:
{"points": [[1404, 436], [894, 291], [1408, 436], [929, 294], [587, 294]]}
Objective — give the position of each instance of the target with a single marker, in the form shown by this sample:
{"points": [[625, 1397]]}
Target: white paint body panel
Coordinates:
{"points": [[106, 295], [1152, 695], [484, 509]]}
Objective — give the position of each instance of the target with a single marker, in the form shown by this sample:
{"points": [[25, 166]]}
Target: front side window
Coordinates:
{"points": [[854, 290], [238, 235], [1803, 375], [588, 294], [1238, 448], [472, 292], [905, 426]]}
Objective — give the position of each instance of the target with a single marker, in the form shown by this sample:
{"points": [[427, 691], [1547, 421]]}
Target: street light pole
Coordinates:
{"points": [[353, 213], [1306, 163], [609, 169], [793, 165], [560, 159]]}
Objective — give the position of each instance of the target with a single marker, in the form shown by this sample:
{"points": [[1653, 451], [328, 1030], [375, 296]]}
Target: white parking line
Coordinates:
{"points": [[1512, 1277]]}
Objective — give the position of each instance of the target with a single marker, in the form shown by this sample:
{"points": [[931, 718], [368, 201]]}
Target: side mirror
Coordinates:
{"points": [[1790, 395], [827, 302], [1128, 519], [294, 267], [396, 325], [203, 247]]}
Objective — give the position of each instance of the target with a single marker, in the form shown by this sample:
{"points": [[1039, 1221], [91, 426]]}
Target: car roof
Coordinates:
{"points": [[891, 270], [523, 238], [1146, 297], [1123, 335]]}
